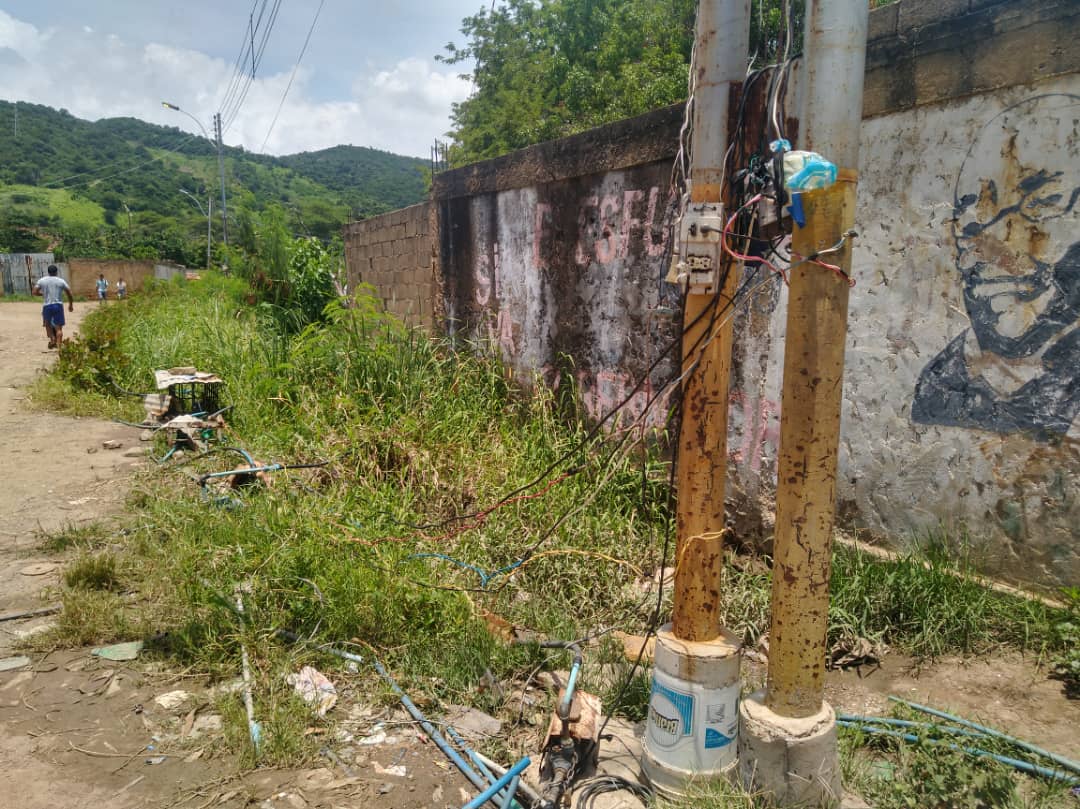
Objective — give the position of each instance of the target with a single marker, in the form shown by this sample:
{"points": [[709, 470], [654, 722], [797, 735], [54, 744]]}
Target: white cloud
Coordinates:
{"points": [[94, 75]]}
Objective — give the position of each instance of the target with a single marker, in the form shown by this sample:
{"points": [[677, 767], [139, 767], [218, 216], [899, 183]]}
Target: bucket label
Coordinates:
{"points": [[671, 715], [715, 739]]}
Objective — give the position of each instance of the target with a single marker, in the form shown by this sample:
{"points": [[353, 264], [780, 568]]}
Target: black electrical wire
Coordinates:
{"points": [[587, 792]]}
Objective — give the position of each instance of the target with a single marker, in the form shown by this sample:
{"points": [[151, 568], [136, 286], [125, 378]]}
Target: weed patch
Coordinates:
{"points": [[93, 571]]}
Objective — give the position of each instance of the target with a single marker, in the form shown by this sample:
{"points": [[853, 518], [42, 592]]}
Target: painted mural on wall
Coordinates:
{"points": [[1016, 228]]}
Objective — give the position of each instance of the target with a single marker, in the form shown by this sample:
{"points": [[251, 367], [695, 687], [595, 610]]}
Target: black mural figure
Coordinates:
{"points": [[1017, 368]]}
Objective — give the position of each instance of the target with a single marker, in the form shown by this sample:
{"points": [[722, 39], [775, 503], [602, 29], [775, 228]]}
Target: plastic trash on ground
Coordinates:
{"points": [[313, 687]]}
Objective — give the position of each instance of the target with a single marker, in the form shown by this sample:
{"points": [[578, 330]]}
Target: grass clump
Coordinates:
{"points": [[93, 571], [1066, 660], [926, 603], [74, 536]]}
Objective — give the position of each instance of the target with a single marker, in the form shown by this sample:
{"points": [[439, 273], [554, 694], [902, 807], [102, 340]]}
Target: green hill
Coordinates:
{"points": [[113, 187]]}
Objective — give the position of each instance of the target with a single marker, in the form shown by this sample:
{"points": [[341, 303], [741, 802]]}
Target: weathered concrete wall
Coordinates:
{"points": [[564, 278], [83, 273], [394, 253], [961, 394]]}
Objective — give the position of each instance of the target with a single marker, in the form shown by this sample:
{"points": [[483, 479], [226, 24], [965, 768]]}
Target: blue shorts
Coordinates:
{"points": [[53, 314]]}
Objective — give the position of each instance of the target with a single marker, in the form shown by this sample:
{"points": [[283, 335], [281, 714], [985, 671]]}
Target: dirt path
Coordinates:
{"points": [[55, 471]]}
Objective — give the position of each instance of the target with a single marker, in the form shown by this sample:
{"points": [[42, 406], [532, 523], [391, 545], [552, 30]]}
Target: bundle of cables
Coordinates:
{"points": [[588, 791]]}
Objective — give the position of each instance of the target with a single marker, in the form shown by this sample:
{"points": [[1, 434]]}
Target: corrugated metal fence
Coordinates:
{"points": [[19, 271]]}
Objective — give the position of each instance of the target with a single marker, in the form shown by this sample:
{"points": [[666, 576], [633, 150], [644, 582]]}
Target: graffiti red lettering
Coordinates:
{"points": [[629, 223], [580, 255]]}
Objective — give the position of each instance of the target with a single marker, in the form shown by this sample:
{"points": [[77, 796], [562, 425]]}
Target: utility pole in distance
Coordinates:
{"points": [[221, 165], [787, 739], [221, 171], [693, 709]]}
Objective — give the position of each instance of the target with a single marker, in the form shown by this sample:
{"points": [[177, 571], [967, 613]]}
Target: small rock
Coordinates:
{"points": [[209, 724], [135, 452], [112, 444], [146, 435], [385, 788], [155, 760], [471, 723], [91, 450]]}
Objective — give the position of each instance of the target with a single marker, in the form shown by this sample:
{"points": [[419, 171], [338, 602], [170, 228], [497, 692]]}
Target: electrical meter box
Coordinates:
{"points": [[700, 231]]}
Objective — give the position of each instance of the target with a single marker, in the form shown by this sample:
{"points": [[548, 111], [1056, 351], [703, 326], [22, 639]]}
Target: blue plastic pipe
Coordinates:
{"points": [[905, 723], [440, 742], [571, 686], [497, 787], [1024, 766], [1064, 762], [511, 791]]}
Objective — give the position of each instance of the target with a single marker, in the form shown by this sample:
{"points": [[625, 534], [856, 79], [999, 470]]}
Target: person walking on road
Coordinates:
{"points": [[121, 290], [102, 287], [53, 288]]}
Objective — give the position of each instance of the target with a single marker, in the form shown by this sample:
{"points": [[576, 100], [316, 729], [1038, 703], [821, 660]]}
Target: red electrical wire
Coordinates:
{"points": [[834, 267], [740, 256]]}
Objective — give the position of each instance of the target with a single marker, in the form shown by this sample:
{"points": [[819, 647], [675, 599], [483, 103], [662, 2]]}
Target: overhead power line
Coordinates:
{"points": [[296, 67], [242, 58], [231, 110]]}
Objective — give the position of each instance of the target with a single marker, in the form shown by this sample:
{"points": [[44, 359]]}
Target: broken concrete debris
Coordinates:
{"points": [[172, 700]]}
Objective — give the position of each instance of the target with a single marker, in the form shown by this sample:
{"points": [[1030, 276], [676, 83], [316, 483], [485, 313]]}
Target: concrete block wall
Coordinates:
{"points": [[394, 254]]}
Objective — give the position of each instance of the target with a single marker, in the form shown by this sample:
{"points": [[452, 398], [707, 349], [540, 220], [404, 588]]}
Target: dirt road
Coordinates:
{"points": [[55, 470]]}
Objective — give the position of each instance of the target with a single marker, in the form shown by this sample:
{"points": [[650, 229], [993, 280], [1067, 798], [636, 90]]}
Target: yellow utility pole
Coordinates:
{"points": [[692, 728], [809, 438], [787, 735]]}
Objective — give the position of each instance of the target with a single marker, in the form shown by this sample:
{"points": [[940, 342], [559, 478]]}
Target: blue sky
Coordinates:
{"points": [[368, 76]]}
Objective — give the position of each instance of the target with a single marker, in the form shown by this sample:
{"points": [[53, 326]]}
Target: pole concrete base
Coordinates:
{"points": [[691, 734], [792, 762]]}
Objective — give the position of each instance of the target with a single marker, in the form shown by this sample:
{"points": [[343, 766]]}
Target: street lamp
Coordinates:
{"points": [[207, 211], [220, 160]]}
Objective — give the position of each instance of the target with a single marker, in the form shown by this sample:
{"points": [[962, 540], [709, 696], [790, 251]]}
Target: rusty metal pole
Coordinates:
{"points": [[788, 734], [814, 362], [692, 727], [723, 33]]}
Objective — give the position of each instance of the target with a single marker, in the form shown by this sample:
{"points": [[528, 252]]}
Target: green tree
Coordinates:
{"points": [[544, 69]]}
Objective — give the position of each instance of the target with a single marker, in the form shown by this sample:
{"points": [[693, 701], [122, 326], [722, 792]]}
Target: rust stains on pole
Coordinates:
{"points": [[723, 32], [809, 436], [830, 118]]}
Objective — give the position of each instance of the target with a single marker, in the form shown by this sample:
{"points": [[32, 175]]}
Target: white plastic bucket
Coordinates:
{"points": [[692, 728]]}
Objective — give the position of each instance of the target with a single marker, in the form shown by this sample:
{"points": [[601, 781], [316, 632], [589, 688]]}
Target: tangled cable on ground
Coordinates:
{"points": [[588, 791]]}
